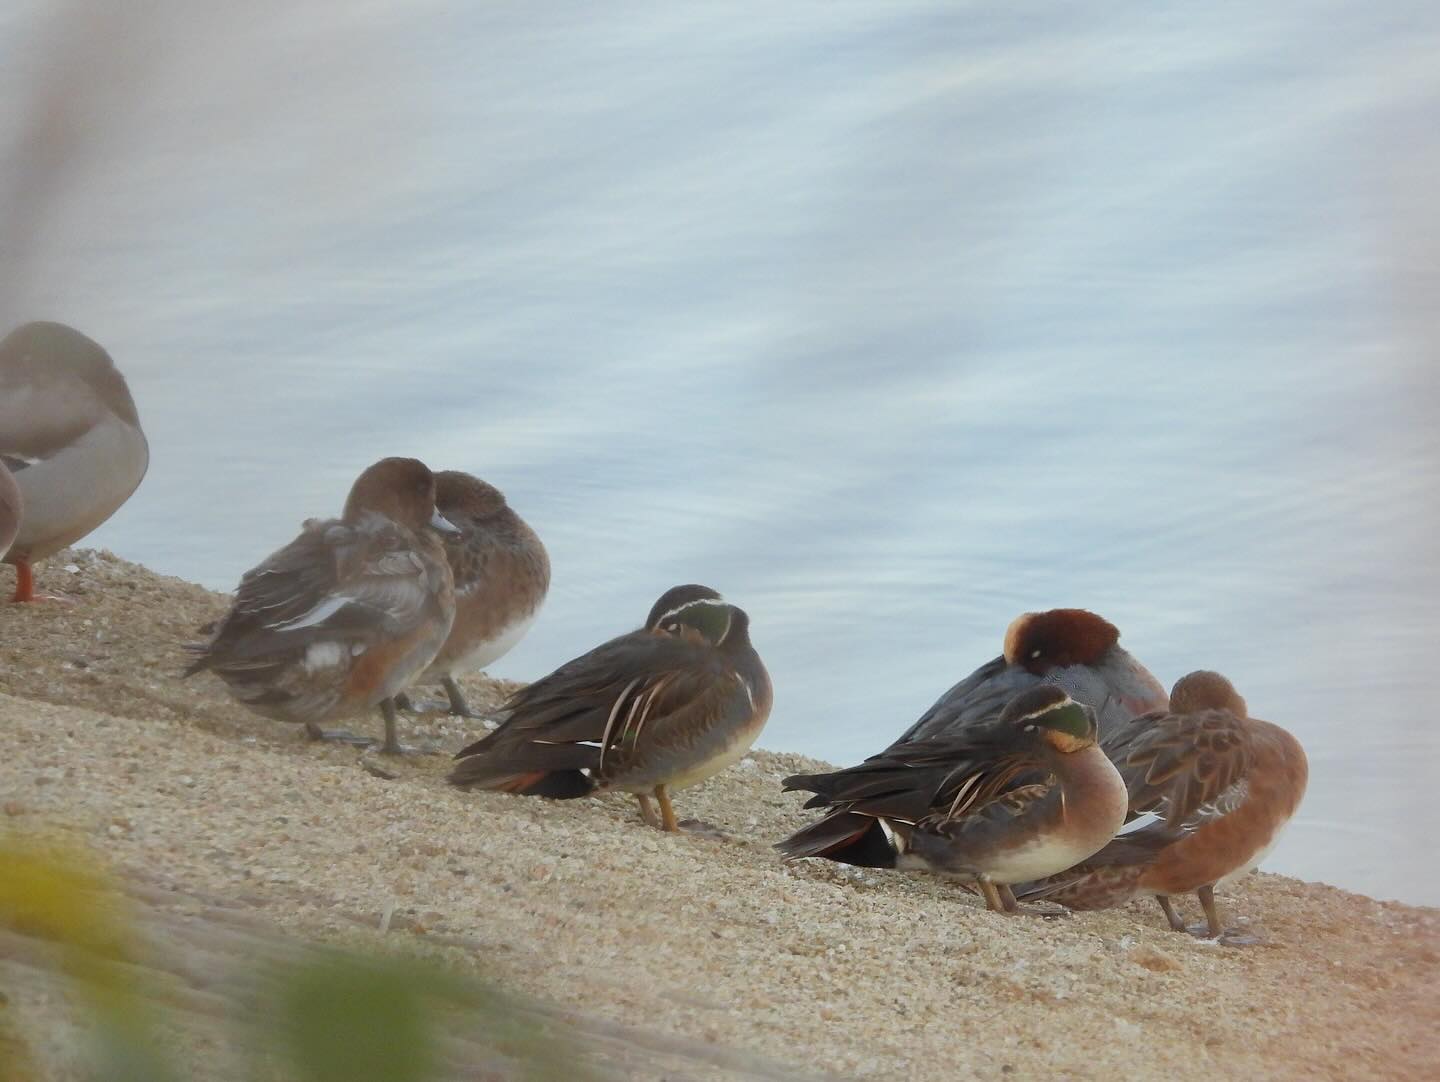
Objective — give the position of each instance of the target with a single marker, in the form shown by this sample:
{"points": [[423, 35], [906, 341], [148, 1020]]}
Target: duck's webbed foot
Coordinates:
{"points": [[647, 811], [458, 706], [993, 901], [1168, 908], [391, 744], [25, 587], [702, 829], [453, 704], [341, 736], [1212, 929], [1050, 910]]}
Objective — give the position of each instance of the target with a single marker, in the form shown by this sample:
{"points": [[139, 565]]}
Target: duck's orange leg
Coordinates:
{"points": [[25, 586], [667, 810], [24, 582], [993, 901]]}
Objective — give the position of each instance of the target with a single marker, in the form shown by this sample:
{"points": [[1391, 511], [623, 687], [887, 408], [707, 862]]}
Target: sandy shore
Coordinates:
{"points": [[711, 945]]}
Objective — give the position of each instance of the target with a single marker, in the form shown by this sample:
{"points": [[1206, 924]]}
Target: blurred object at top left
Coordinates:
{"points": [[70, 435]]}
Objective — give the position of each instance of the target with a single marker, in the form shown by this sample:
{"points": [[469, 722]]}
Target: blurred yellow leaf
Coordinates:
{"points": [[55, 892]]}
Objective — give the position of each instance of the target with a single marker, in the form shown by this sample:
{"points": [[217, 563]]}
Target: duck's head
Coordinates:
{"points": [[708, 621], [459, 495], [1041, 641], [1205, 690], [676, 598], [1048, 716], [401, 489]]}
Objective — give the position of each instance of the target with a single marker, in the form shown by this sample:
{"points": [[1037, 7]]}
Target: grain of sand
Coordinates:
{"points": [[715, 941]]}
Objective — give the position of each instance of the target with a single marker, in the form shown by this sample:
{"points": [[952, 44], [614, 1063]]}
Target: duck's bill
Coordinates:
{"points": [[443, 524]]}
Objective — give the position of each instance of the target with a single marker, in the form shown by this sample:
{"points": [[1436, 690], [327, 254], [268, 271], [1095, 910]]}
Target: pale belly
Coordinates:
{"points": [[728, 758], [1254, 862], [1038, 860], [731, 754], [485, 653]]}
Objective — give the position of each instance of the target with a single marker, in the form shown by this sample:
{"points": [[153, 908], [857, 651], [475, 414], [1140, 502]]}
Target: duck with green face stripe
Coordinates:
{"points": [[1031, 790], [650, 712]]}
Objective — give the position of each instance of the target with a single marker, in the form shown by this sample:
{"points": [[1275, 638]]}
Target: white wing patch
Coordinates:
{"points": [[318, 615], [325, 655]]}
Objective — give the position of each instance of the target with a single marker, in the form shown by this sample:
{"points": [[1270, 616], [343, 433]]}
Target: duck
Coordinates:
{"points": [[1076, 649], [1070, 648], [952, 806], [344, 616], [501, 572], [648, 713], [70, 435], [10, 509], [1218, 786]]}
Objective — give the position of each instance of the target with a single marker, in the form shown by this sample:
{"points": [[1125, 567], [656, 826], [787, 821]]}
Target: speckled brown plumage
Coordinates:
{"points": [[1222, 784], [344, 616], [501, 572]]}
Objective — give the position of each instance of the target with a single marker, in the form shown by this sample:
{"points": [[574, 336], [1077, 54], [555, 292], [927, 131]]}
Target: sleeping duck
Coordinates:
{"points": [[71, 437]]}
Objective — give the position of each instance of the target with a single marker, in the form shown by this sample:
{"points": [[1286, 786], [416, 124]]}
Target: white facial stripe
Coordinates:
{"points": [[688, 604], [1067, 701]]}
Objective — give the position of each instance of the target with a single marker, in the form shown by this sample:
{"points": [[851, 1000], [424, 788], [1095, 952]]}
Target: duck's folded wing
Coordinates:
{"points": [[573, 701], [909, 780], [905, 785], [332, 583], [41, 417], [1187, 767], [674, 722], [593, 711], [983, 807]]}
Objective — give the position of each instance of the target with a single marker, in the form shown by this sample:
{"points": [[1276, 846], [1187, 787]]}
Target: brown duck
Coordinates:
{"points": [[1223, 786], [648, 713], [347, 614], [501, 573]]}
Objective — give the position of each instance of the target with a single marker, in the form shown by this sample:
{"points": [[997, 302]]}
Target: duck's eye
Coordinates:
{"points": [[1029, 728], [1035, 653], [675, 627]]}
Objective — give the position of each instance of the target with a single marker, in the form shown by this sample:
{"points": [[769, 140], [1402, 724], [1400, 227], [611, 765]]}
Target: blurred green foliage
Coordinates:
{"points": [[328, 1015]]}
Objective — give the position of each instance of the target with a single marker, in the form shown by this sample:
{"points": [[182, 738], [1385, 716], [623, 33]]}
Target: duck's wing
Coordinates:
{"points": [[910, 783], [989, 810], [1185, 768], [636, 698], [914, 779], [41, 414], [352, 584]]}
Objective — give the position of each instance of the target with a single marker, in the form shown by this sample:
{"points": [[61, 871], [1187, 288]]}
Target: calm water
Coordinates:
{"points": [[891, 320]]}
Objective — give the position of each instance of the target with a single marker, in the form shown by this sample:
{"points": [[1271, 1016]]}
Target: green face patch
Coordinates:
{"points": [[710, 618], [1069, 718]]}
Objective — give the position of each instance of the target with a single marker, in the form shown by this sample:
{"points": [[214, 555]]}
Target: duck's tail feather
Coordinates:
{"points": [[844, 837]]}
